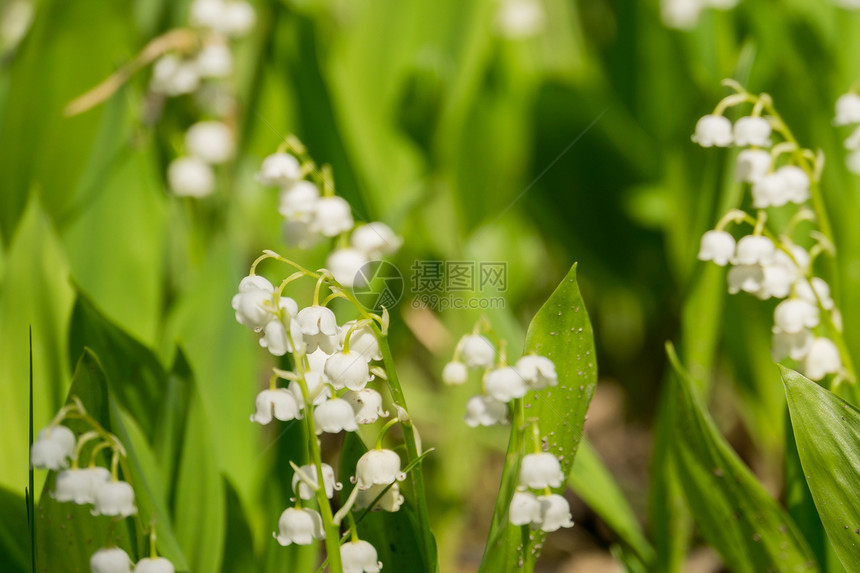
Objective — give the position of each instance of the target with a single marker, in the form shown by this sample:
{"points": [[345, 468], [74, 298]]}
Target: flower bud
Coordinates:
{"points": [[455, 373]]}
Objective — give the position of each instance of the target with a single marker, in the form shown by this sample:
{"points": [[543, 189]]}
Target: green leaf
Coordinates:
{"points": [[396, 536], [14, 533], [827, 432], [562, 332], [732, 510], [593, 483]]}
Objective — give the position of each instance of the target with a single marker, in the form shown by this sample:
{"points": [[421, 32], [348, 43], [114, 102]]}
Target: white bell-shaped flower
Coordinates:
{"points": [[518, 19], [485, 411], [505, 384], [110, 560], [554, 512], [770, 191], [538, 371], [713, 130], [332, 216], [254, 303], [319, 327], [345, 265], [335, 415], [752, 131], [367, 405], [174, 76], [752, 165], [477, 351], [377, 467], [280, 169], [154, 565], [347, 370], [524, 508], [777, 282], [390, 501], [540, 470], [717, 246], [793, 315], [796, 182], [375, 240], [814, 290], [847, 109], [359, 557], [190, 177], [211, 141], [279, 403], [215, 60], [53, 447], [318, 389], [747, 278], [276, 340], [754, 249], [114, 498], [299, 526], [305, 491], [822, 359], [361, 340], [455, 373], [795, 345], [79, 485], [298, 201], [206, 13]]}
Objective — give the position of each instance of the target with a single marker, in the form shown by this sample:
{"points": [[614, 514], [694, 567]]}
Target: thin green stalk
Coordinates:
{"points": [[417, 480], [332, 531]]}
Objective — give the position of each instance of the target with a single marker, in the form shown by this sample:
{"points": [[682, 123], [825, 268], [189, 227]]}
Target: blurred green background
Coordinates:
{"points": [[572, 144]]}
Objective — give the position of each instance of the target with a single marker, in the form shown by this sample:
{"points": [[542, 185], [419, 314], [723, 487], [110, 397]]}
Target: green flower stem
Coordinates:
{"points": [[332, 532], [417, 480]]}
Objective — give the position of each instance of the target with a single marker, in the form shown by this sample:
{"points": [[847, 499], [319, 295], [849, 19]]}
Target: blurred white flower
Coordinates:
{"points": [[752, 131], [110, 560], [795, 346], [524, 508], [335, 415], [211, 141], [154, 565], [79, 485], [53, 447], [847, 108], [280, 169], [822, 359], [485, 411], [681, 14], [332, 216], [344, 264], [113, 498], [174, 76], [305, 491], [754, 249], [298, 201], [520, 18], [540, 470], [190, 177], [477, 351], [554, 512], [390, 501], [717, 246], [747, 278], [505, 384], [713, 130], [793, 315], [538, 371], [375, 240], [752, 165], [215, 60], [367, 405], [455, 373]]}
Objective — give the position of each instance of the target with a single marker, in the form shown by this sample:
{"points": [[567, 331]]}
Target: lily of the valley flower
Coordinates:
{"points": [[505, 384], [717, 246], [455, 373], [110, 560], [299, 527], [377, 467], [279, 403], [485, 411], [367, 405], [334, 416], [538, 371], [211, 141], [52, 449], [114, 498], [390, 501], [190, 177], [280, 169], [359, 557], [540, 470], [713, 130], [305, 491], [477, 351], [554, 512], [79, 485], [347, 370], [154, 565]]}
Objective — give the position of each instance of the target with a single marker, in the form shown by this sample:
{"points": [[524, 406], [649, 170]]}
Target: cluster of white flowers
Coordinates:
{"points": [[204, 71], [684, 14], [312, 215], [55, 448], [763, 263], [501, 382], [848, 113]]}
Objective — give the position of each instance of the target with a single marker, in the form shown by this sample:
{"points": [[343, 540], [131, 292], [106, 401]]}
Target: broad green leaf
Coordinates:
{"points": [[34, 294], [827, 433], [593, 483], [734, 513], [396, 536], [136, 378], [560, 331], [201, 513], [14, 533]]}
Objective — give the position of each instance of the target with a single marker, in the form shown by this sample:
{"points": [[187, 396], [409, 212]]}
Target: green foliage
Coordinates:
{"points": [[827, 432], [561, 332], [749, 529]]}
